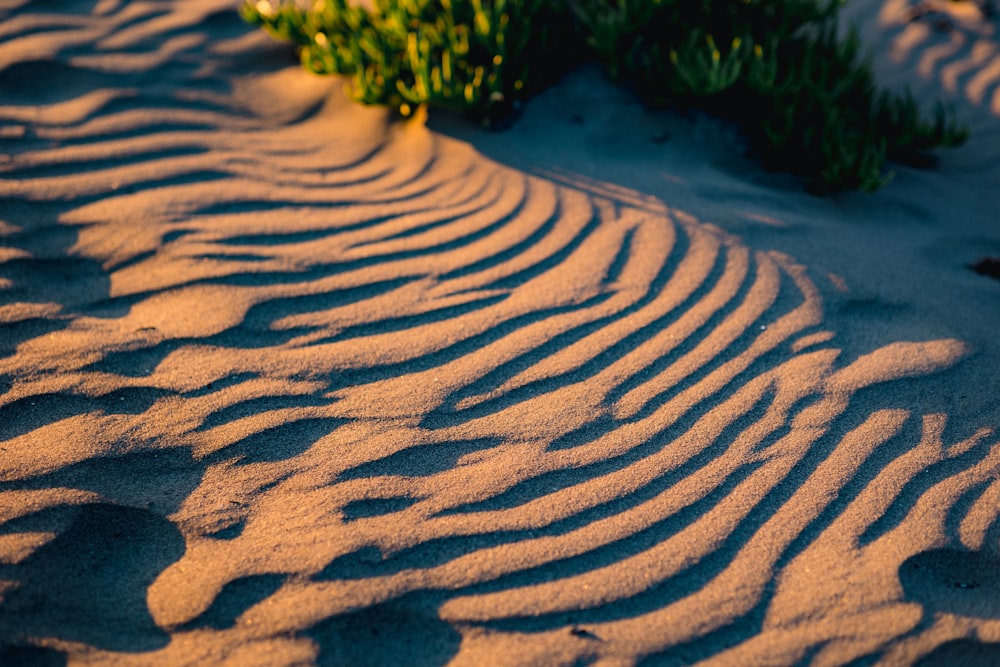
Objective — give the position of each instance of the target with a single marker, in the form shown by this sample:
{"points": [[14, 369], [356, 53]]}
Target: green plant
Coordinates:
{"points": [[675, 49], [610, 28], [474, 55], [824, 118], [818, 117], [898, 118], [804, 94]]}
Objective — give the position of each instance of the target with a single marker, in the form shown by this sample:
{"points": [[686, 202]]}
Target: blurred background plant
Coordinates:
{"points": [[804, 93]]}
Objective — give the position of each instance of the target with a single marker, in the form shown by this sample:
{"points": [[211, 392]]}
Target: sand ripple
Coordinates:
{"points": [[277, 377]]}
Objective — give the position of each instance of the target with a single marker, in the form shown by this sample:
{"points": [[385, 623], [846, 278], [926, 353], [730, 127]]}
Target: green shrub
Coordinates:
{"points": [[480, 56], [824, 118], [814, 114], [675, 49], [805, 95]]}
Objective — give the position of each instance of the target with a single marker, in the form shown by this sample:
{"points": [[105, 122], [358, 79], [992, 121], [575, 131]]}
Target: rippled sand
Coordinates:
{"points": [[283, 382]]}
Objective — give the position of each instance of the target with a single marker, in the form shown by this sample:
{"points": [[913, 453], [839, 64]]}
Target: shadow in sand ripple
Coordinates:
{"points": [[421, 461], [136, 363], [236, 598], [19, 84], [157, 479], [42, 284], [359, 509], [257, 406], [412, 322], [536, 488], [601, 358], [391, 633], [35, 411], [91, 579], [954, 45], [966, 583], [35, 656], [282, 442], [965, 652], [284, 380], [916, 489]]}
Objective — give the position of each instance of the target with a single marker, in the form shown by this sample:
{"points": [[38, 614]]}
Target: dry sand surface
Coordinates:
{"points": [[282, 382]]}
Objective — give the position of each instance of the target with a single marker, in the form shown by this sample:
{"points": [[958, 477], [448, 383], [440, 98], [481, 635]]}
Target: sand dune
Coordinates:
{"points": [[284, 382]]}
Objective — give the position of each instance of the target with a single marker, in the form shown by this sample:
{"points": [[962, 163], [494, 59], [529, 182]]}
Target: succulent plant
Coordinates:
{"points": [[474, 55], [803, 92]]}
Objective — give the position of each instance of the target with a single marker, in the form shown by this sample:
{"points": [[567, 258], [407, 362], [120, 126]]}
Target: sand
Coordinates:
{"points": [[285, 382]]}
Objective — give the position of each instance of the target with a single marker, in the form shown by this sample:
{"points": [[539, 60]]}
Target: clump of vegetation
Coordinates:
{"points": [[480, 56], [804, 94]]}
